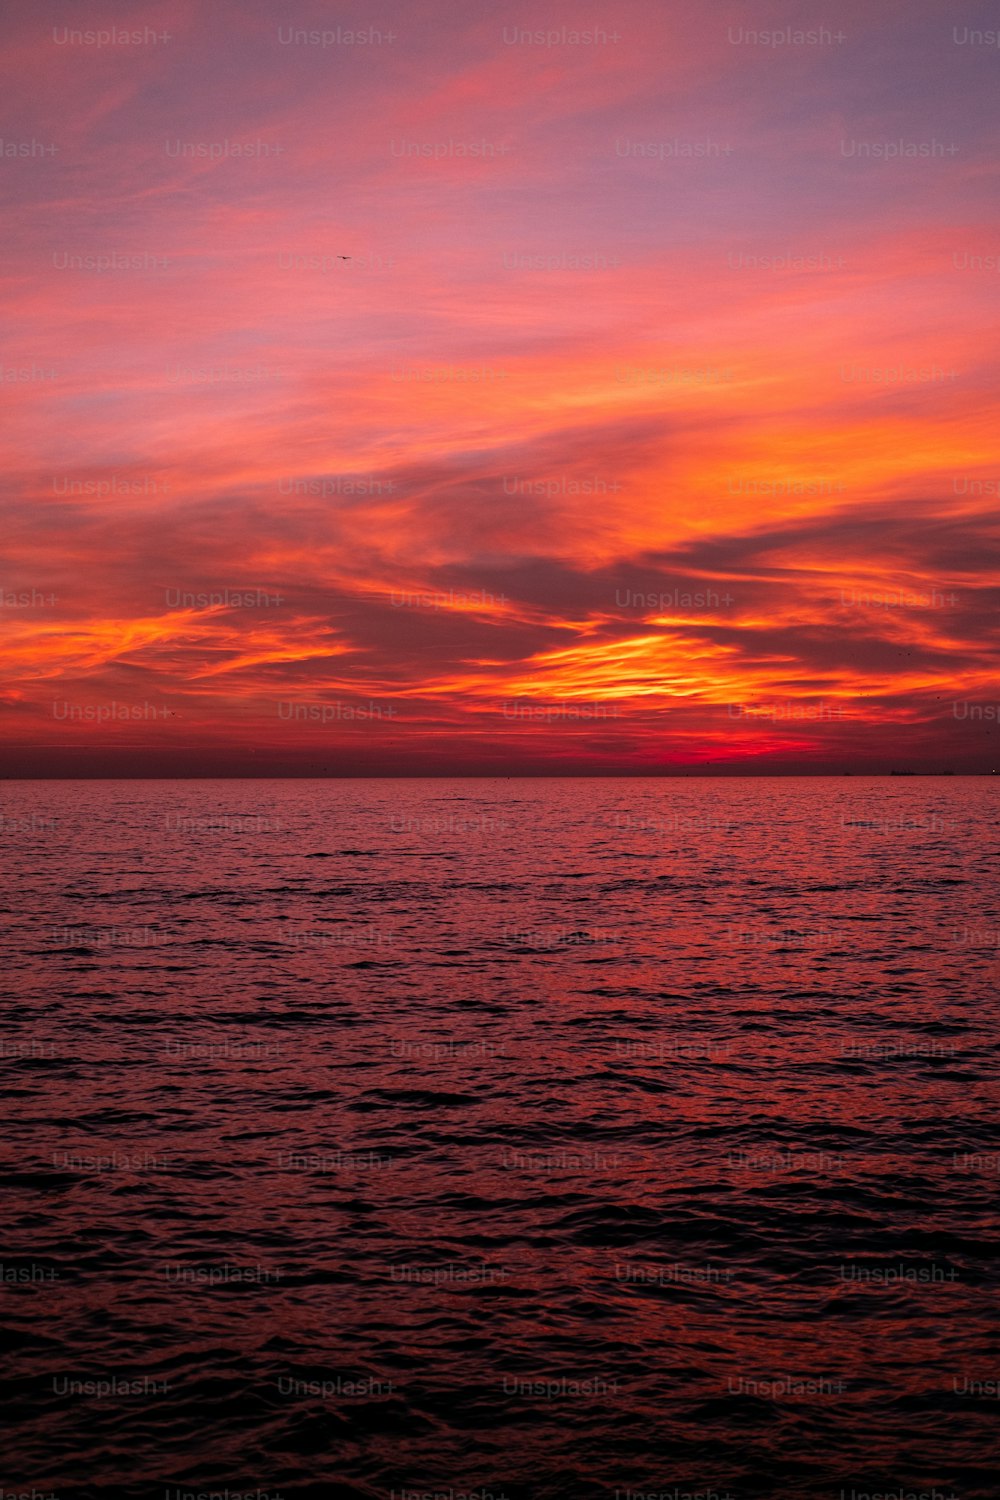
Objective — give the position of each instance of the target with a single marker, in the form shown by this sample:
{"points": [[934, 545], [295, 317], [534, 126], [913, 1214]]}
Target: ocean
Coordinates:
{"points": [[584, 1138]]}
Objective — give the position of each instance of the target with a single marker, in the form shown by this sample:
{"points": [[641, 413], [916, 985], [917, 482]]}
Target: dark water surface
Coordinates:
{"points": [[526, 1138]]}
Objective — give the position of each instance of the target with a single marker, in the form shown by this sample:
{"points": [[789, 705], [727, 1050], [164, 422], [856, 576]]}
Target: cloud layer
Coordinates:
{"points": [[434, 392]]}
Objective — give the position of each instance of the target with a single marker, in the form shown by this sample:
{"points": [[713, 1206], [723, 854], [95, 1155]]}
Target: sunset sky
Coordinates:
{"points": [[651, 423]]}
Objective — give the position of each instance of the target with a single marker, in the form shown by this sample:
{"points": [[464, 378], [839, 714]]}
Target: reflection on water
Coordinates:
{"points": [[529, 1138]]}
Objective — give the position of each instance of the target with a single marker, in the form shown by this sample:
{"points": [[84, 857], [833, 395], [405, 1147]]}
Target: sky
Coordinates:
{"points": [[421, 389]]}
